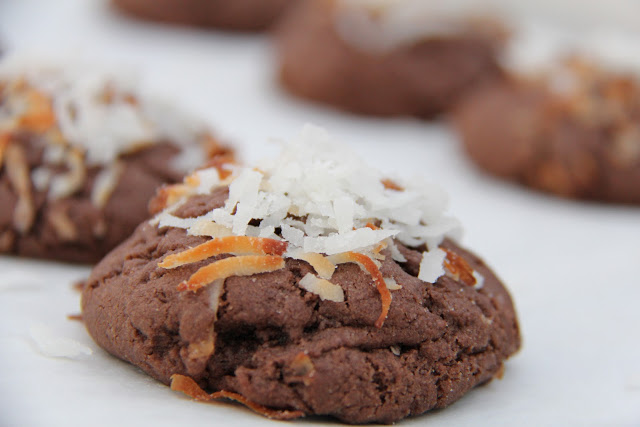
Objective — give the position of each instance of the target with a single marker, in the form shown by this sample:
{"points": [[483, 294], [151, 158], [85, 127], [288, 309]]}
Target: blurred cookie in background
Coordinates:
{"points": [[572, 130], [81, 154], [386, 58], [246, 15]]}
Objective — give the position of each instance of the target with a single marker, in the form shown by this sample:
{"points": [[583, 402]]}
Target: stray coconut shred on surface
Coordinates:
{"points": [[317, 202]]}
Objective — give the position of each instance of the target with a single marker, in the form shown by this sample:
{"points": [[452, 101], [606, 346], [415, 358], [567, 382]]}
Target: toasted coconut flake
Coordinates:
{"points": [[234, 266], [302, 368], [237, 245], [189, 387], [158, 202], [431, 266], [368, 265], [105, 184], [326, 290], [320, 263], [167, 195], [63, 226], [215, 291], [65, 185], [39, 116], [5, 138], [165, 219], [18, 173], [458, 269], [222, 163], [76, 317], [206, 227], [201, 349], [391, 185], [500, 373], [391, 283], [192, 180], [376, 253], [479, 280]]}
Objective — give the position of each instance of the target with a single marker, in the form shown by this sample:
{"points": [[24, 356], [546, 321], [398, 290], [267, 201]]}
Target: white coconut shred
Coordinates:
{"points": [[101, 112], [382, 25], [322, 198]]}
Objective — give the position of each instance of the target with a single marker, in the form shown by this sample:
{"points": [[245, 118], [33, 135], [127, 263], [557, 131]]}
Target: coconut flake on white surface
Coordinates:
{"points": [[50, 344]]}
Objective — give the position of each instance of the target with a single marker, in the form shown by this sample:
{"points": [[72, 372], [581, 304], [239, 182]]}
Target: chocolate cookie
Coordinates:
{"points": [[400, 58], [233, 15], [347, 298], [81, 154], [574, 131]]}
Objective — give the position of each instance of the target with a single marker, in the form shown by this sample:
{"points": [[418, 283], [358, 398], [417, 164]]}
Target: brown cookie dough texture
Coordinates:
{"points": [[228, 14], [368, 58], [80, 157], [573, 132], [286, 339]]}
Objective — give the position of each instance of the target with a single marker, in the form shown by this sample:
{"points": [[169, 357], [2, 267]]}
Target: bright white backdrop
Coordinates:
{"points": [[573, 268]]}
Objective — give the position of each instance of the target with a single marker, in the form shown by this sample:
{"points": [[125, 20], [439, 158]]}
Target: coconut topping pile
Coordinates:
{"points": [[598, 99], [87, 118], [382, 25], [317, 202]]}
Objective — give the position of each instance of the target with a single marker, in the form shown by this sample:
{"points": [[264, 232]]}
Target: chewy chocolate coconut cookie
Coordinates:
{"points": [[226, 14], [81, 154], [573, 131], [309, 285], [406, 57]]}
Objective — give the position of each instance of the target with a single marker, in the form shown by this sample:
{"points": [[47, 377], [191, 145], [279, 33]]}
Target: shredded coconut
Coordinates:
{"points": [[102, 112], [323, 288], [431, 266], [51, 345], [479, 280], [105, 183], [381, 25], [321, 198], [391, 283], [334, 195]]}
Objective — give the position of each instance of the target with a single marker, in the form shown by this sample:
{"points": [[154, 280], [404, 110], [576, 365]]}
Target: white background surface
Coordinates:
{"points": [[573, 268]]}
